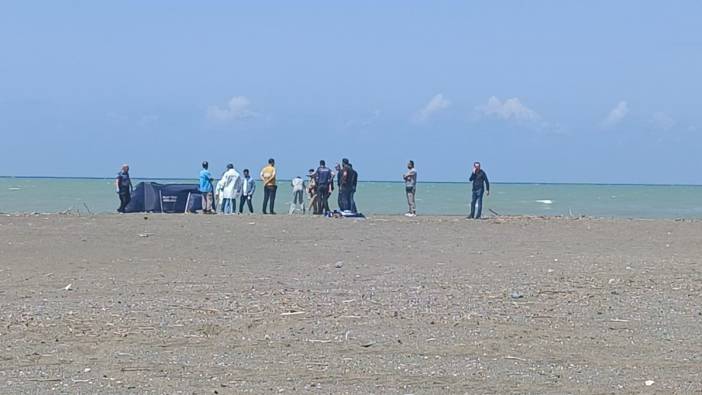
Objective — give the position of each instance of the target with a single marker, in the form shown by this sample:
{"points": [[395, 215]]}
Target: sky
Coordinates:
{"points": [[538, 91]]}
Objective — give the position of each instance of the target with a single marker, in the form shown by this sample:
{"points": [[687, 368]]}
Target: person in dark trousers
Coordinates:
{"points": [[323, 178], [354, 183], [345, 186], [123, 186], [480, 185], [270, 187], [411, 189], [248, 187], [337, 172]]}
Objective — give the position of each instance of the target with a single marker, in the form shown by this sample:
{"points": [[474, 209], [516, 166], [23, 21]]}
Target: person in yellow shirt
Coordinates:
{"points": [[269, 186]]}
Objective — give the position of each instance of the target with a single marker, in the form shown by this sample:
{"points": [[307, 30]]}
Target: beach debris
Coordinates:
{"points": [[68, 287], [145, 234], [86, 370], [367, 344], [292, 313], [516, 295], [494, 212], [339, 264], [649, 383]]}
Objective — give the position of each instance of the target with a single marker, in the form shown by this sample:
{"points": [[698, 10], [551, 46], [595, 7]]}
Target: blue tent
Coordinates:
{"points": [[153, 197]]}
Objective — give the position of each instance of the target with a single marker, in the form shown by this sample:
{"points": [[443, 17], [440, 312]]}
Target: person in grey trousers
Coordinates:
{"points": [[411, 188]]}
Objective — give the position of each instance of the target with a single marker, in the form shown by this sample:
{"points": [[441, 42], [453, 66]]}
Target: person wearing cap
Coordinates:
{"points": [[206, 188], [324, 180], [269, 186], [123, 187], [230, 189], [480, 185]]}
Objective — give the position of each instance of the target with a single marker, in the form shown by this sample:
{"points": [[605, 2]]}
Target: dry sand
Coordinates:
{"points": [[211, 304]]}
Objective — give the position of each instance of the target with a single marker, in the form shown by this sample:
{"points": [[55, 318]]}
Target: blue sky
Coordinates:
{"points": [[539, 91]]}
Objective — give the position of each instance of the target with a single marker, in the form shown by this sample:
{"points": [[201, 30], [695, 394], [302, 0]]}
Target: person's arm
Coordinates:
{"points": [[472, 176], [252, 187], [131, 187], [487, 184], [117, 183]]}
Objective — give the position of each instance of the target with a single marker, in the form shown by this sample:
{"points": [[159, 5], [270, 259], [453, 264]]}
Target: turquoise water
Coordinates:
{"points": [[48, 195]]}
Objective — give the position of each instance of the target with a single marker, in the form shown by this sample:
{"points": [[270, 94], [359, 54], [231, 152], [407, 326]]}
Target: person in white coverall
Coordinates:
{"points": [[230, 189]]}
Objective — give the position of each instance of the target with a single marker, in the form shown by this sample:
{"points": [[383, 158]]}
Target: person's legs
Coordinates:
{"points": [[479, 203], [353, 201], [229, 206], [274, 189], [210, 202], [266, 196], [241, 204], [204, 202], [122, 202], [327, 195], [322, 199], [473, 200], [411, 201], [340, 200], [249, 201]]}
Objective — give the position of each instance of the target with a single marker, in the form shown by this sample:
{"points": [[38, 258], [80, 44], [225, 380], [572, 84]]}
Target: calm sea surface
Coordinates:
{"points": [[48, 195]]}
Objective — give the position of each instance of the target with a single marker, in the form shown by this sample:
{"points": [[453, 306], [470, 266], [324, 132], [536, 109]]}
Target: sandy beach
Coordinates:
{"points": [[217, 305]]}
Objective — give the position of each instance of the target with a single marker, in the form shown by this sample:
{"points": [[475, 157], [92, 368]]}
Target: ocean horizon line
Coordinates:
{"points": [[369, 181]]}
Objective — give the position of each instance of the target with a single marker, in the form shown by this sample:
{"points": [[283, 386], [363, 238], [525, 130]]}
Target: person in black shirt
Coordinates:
{"points": [[354, 183], [123, 186], [480, 185]]}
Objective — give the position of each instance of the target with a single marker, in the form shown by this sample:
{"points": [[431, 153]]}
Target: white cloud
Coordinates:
{"points": [[238, 107], [436, 104], [616, 115], [663, 121], [510, 109]]}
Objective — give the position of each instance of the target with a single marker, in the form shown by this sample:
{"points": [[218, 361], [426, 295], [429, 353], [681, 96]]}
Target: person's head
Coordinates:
{"points": [[337, 167], [205, 165], [410, 164], [476, 165], [310, 172], [271, 162], [125, 167], [230, 166], [345, 161], [322, 163], [246, 172]]}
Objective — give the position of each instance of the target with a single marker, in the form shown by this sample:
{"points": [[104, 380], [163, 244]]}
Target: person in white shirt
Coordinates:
{"points": [[248, 187], [298, 189], [230, 189]]}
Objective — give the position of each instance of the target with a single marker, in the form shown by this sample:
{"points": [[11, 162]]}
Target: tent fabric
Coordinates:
{"points": [[153, 197]]}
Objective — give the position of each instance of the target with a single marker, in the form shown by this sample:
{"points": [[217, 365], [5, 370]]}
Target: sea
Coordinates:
{"points": [[90, 195]]}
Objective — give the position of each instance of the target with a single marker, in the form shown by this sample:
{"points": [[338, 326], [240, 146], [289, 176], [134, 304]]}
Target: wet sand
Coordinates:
{"points": [[212, 304]]}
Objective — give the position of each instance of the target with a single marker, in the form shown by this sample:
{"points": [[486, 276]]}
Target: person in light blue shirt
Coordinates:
{"points": [[206, 188], [248, 187]]}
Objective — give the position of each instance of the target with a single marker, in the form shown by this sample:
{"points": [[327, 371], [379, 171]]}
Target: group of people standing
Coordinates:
{"points": [[319, 187]]}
